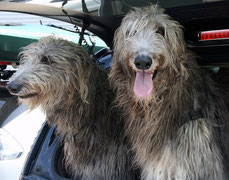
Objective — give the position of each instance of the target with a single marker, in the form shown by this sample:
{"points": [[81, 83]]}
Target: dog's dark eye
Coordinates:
{"points": [[161, 31], [128, 33], [46, 60], [134, 32]]}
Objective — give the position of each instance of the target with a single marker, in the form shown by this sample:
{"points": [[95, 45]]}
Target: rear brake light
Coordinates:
{"points": [[213, 35], [5, 63]]}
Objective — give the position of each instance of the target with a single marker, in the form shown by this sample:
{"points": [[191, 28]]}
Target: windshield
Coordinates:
{"points": [[111, 7]]}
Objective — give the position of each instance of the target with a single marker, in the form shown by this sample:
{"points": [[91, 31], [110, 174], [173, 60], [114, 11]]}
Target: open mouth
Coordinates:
{"points": [[27, 96], [143, 84]]}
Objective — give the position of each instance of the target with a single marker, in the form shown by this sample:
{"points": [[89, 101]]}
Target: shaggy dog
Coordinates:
{"points": [[75, 95], [176, 119]]}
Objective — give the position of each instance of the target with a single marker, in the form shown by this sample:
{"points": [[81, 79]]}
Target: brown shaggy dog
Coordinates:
{"points": [[76, 97], [176, 119]]}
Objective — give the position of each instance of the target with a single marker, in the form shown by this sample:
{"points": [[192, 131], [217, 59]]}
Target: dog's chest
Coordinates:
{"points": [[192, 155]]}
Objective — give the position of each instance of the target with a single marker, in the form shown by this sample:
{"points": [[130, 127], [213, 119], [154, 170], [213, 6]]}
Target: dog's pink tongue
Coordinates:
{"points": [[143, 84]]}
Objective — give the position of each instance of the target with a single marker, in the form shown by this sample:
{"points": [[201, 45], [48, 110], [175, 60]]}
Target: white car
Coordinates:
{"points": [[17, 135]]}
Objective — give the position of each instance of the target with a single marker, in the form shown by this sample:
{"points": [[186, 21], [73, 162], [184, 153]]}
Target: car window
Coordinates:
{"points": [[7, 106], [2, 103]]}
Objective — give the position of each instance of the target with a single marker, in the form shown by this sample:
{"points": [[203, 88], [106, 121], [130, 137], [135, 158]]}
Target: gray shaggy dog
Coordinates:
{"points": [[175, 116], [75, 94]]}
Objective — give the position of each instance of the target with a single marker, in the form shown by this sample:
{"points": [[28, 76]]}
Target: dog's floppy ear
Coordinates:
{"points": [[175, 40], [118, 47], [81, 66]]}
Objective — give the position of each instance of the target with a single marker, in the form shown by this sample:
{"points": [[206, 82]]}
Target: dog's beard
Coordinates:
{"points": [[30, 102]]}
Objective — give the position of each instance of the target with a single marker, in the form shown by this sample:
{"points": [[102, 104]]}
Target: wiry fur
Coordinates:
{"points": [[77, 99], [167, 145]]}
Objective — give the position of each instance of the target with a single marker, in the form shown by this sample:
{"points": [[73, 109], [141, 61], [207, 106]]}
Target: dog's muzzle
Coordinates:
{"points": [[14, 87]]}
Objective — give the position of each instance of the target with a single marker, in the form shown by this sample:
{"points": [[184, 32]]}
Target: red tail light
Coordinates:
{"points": [[5, 63], [217, 34]]}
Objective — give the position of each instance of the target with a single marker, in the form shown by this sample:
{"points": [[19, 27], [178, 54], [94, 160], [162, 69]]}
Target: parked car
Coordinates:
{"points": [[17, 134], [45, 160]]}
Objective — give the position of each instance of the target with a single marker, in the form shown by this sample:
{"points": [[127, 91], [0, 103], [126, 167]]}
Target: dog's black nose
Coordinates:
{"points": [[14, 87], [143, 62]]}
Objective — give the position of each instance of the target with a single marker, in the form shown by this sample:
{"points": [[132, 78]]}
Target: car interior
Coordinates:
{"points": [[199, 19]]}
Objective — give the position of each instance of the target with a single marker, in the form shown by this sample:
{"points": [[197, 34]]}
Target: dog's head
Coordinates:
{"points": [[147, 42], [49, 69]]}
